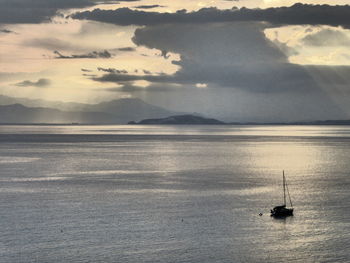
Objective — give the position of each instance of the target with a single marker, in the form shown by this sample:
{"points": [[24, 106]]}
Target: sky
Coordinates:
{"points": [[236, 60]]}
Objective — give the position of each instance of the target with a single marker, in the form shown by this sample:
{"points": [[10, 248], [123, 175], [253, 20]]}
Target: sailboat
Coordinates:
{"points": [[283, 210]]}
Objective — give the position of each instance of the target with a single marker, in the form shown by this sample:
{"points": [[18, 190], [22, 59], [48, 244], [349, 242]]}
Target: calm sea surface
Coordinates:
{"points": [[173, 193]]}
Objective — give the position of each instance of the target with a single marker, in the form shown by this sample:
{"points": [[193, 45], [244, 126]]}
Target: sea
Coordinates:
{"points": [[195, 194]]}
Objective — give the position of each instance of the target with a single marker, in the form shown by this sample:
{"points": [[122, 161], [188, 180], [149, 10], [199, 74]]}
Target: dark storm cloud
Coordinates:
{"points": [[327, 37], [234, 55], [35, 11], [122, 78], [262, 78], [297, 14], [228, 54], [39, 84], [94, 54]]}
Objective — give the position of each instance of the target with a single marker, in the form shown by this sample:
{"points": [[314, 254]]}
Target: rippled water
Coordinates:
{"points": [[173, 193]]}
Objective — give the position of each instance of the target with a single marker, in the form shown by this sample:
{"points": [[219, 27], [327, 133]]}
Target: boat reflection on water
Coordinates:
{"points": [[283, 211]]}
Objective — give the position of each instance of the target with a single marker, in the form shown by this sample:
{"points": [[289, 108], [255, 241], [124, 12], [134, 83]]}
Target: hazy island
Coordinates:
{"points": [[189, 119], [181, 120]]}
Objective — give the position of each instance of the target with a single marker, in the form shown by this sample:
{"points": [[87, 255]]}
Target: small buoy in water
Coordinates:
{"points": [[182, 220], [260, 214]]}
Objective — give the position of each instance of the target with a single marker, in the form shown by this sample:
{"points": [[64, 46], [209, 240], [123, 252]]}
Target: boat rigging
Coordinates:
{"points": [[283, 210]]}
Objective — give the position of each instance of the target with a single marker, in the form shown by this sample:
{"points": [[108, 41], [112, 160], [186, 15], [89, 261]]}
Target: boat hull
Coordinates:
{"points": [[284, 212]]}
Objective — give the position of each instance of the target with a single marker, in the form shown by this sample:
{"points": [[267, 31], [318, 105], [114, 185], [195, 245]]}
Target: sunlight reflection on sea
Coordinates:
{"points": [[173, 194]]}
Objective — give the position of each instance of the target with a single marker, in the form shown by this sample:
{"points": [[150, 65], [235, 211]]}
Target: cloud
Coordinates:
{"points": [[229, 55], [6, 31], [262, 78], [39, 84], [122, 78], [94, 54], [112, 70], [127, 49], [287, 50], [164, 54], [50, 43], [85, 70], [327, 37], [153, 87], [298, 14], [35, 11], [148, 6], [89, 75]]}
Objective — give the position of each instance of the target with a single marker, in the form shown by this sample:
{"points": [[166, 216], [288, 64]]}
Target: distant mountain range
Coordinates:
{"points": [[65, 106], [17, 113], [121, 111]]}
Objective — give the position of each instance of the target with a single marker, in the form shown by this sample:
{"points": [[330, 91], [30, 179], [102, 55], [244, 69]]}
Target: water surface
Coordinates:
{"points": [[173, 193]]}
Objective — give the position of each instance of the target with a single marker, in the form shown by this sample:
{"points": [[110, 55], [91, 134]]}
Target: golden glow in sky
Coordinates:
{"points": [[291, 2], [313, 45], [31, 51]]}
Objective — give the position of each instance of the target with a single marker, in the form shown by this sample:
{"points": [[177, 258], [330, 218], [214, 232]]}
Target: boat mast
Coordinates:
{"points": [[284, 190], [290, 200]]}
